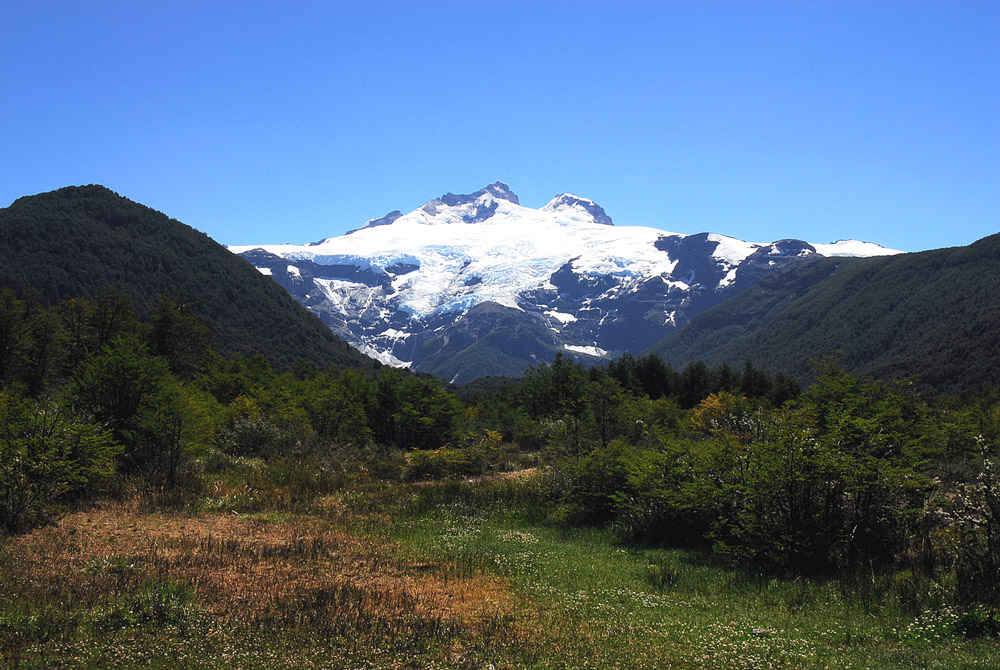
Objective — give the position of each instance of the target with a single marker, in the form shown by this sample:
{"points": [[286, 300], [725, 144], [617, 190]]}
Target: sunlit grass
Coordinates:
{"points": [[609, 606], [248, 574]]}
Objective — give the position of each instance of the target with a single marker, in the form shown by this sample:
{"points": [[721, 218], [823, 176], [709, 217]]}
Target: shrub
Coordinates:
{"points": [[48, 458], [159, 602], [977, 568], [443, 463]]}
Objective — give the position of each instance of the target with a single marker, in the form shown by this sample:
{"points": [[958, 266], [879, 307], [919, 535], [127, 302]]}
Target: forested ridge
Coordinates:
{"points": [[78, 241], [934, 314]]}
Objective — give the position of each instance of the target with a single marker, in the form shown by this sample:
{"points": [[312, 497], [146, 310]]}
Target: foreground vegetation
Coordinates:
{"points": [[447, 575], [165, 506]]}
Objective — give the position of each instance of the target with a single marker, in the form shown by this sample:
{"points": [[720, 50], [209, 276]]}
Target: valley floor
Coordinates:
{"points": [[442, 575]]}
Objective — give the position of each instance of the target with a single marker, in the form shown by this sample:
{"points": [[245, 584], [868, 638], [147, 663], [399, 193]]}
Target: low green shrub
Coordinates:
{"points": [[444, 463], [159, 602]]}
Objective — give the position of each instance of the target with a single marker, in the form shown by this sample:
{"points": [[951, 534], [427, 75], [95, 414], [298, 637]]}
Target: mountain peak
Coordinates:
{"points": [[569, 203], [498, 189], [484, 202]]}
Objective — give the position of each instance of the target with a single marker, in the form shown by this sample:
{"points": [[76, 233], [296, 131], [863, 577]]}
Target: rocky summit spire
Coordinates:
{"points": [[484, 202], [498, 189]]}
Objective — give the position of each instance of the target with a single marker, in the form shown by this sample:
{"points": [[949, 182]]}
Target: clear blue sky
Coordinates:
{"points": [[294, 121]]}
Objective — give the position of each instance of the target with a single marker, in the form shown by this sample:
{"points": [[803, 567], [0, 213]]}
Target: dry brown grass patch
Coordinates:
{"points": [[243, 568]]}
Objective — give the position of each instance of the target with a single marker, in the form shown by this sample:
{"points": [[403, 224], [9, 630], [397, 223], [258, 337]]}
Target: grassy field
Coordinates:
{"points": [[252, 574]]}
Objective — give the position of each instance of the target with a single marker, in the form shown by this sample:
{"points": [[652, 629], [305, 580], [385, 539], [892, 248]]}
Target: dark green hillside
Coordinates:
{"points": [[73, 242], [490, 338], [935, 314]]}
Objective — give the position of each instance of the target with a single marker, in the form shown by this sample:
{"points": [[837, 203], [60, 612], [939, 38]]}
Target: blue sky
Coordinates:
{"points": [[295, 121]]}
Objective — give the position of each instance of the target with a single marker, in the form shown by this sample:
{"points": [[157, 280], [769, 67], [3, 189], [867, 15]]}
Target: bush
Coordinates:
{"points": [[444, 463], [48, 458], [480, 453], [595, 481], [977, 568]]}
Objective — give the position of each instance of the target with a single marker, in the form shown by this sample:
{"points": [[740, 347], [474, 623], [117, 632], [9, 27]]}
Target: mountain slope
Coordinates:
{"points": [[413, 289], [74, 241], [935, 314]]}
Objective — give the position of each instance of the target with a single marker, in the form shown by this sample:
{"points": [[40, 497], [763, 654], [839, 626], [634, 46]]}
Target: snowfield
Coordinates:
{"points": [[465, 260]]}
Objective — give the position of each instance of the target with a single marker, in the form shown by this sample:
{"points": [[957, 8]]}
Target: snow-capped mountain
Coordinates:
{"points": [[472, 285]]}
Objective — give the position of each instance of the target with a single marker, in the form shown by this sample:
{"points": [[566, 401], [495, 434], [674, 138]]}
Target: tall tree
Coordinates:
{"points": [[178, 333]]}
